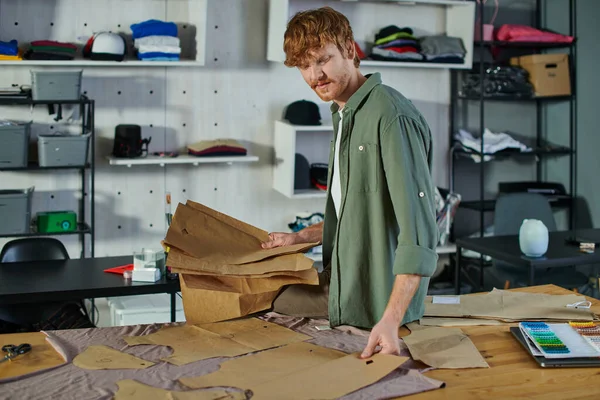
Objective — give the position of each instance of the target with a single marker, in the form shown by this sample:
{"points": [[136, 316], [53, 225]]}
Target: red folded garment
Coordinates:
{"points": [[53, 44], [218, 149], [524, 33]]}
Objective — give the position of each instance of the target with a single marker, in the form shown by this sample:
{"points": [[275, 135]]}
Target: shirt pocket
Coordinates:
{"points": [[364, 168]]}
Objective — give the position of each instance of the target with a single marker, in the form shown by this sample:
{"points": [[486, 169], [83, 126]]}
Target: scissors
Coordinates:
{"points": [[13, 351]]}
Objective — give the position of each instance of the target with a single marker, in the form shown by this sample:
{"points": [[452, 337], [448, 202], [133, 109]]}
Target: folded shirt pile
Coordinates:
{"points": [[156, 40], [50, 50], [10, 51], [396, 44], [443, 49], [216, 147]]}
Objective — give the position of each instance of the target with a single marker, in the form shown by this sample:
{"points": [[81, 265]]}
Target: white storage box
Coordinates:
{"points": [[60, 150], [144, 309], [56, 85]]}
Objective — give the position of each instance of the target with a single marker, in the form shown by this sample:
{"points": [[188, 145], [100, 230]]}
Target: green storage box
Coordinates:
{"points": [[56, 221]]}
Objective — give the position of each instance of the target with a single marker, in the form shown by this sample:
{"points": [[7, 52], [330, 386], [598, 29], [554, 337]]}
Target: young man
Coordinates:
{"points": [[379, 234]]}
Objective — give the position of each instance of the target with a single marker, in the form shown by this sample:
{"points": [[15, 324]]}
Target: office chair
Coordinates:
{"points": [[510, 211], [33, 249]]}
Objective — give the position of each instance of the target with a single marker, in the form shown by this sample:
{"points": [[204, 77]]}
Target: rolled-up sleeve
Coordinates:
{"points": [[405, 153]]}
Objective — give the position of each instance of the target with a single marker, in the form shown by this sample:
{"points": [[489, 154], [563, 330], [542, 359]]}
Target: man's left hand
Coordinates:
{"points": [[384, 335]]}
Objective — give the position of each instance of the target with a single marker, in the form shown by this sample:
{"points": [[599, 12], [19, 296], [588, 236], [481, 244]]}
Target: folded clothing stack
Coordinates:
{"points": [[217, 147], [443, 49], [10, 51], [156, 40], [396, 44], [50, 50]]}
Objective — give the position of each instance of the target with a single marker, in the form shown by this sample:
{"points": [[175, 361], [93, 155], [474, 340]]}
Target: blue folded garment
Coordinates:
{"points": [[9, 48], [153, 27], [160, 59], [156, 54]]}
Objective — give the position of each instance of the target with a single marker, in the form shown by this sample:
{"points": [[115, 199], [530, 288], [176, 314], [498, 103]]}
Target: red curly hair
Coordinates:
{"points": [[312, 29]]}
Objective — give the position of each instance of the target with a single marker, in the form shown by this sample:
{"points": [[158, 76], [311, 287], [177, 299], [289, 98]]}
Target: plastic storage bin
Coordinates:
{"points": [[14, 143], [15, 211], [56, 85], [144, 309], [63, 150]]}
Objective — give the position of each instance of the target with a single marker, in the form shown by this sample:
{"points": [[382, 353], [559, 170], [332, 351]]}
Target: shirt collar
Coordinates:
{"points": [[359, 96]]}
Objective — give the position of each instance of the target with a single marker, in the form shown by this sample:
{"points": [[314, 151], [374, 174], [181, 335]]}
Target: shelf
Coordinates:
{"points": [[412, 64], [311, 141], [488, 205], [82, 228], [27, 101], [191, 17], [182, 159], [35, 167], [83, 62], [516, 98], [428, 17], [309, 194], [509, 153], [524, 45]]}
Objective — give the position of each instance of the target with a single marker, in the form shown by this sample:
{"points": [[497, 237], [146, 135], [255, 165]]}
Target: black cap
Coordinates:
{"points": [[303, 112]]}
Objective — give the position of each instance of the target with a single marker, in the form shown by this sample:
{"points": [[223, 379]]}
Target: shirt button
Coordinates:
{"points": [[361, 148], [421, 194]]}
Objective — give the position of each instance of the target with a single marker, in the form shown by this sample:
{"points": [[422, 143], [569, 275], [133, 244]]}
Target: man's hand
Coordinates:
{"points": [[311, 234], [279, 239], [385, 336]]}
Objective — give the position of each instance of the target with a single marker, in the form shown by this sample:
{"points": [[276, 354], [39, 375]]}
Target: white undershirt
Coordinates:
{"points": [[336, 188]]}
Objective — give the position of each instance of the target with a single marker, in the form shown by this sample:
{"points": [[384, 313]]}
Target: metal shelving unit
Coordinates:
{"points": [[87, 171], [483, 204]]}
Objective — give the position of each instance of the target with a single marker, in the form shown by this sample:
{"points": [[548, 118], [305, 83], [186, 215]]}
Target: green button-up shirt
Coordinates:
{"points": [[387, 219]]}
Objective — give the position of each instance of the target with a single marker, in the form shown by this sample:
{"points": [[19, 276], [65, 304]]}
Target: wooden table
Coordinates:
{"points": [[513, 373]]}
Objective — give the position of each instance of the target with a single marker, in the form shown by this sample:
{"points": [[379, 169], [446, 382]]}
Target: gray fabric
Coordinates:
{"points": [[439, 45], [71, 382]]}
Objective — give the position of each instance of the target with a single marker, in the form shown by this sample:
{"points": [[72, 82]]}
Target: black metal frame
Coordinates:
{"points": [[87, 112], [483, 205]]}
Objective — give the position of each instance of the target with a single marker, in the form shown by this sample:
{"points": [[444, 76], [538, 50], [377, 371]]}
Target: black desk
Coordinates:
{"points": [[506, 248], [74, 279]]}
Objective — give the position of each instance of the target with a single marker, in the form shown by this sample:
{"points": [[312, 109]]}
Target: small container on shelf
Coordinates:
{"points": [[15, 211], [56, 85], [60, 150], [14, 136]]}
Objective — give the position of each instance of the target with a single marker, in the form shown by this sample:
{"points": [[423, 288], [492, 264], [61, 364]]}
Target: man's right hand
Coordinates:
{"points": [[278, 239], [311, 234]]}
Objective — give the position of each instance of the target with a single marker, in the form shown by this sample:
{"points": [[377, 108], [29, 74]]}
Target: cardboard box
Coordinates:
{"points": [[223, 270], [548, 73]]}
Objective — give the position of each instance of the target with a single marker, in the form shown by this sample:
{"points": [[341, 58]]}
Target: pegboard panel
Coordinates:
{"points": [[237, 94]]}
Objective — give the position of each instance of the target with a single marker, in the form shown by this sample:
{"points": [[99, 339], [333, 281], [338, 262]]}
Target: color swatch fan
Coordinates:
{"points": [[559, 340]]}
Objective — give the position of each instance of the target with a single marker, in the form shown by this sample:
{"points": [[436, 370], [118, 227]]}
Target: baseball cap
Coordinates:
{"points": [[105, 46], [303, 112]]}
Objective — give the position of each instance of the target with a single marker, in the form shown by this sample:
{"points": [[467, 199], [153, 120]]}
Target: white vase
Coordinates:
{"points": [[533, 238]]}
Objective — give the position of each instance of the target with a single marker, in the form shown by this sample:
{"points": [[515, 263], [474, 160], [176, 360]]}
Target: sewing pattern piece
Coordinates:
{"points": [[192, 343], [589, 331], [103, 357], [545, 337]]}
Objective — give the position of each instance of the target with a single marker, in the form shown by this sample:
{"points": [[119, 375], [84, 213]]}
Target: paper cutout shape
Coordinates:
{"points": [[217, 298], [104, 357], [330, 380], [192, 343], [434, 321], [224, 272], [43, 356], [225, 240], [299, 371], [512, 306], [443, 348], [246, 372], [130, 389]]}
